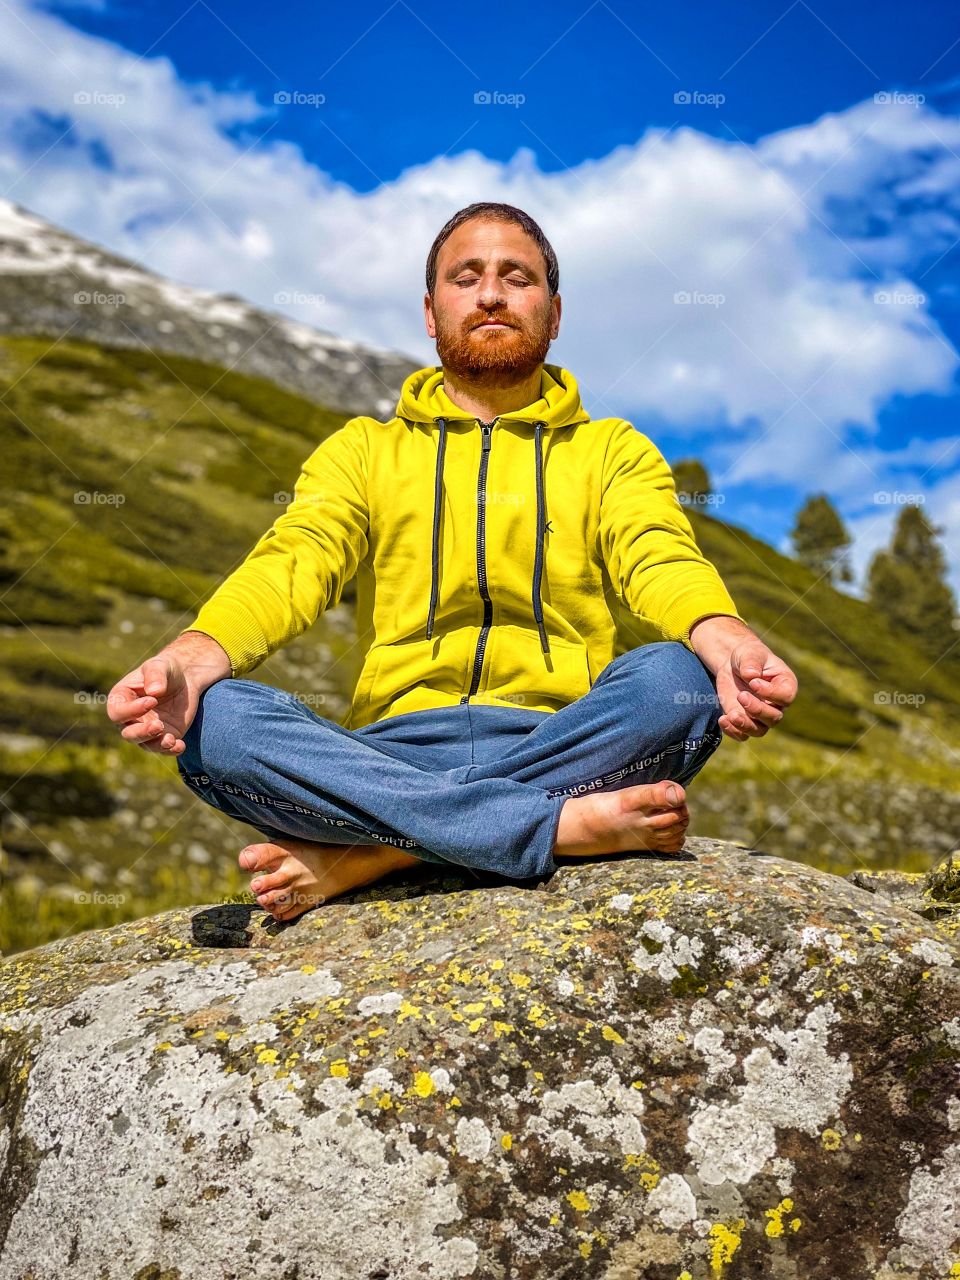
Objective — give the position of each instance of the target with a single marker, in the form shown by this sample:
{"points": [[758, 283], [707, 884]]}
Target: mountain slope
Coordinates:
{"points": [[52, 282], [136, 481]]}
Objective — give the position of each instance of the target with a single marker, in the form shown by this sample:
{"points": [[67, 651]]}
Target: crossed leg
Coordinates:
{"points": [[595, 777]]}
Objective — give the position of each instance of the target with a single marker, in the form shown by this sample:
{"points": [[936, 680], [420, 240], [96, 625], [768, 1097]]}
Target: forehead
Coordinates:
{"points": [[490, 240]]}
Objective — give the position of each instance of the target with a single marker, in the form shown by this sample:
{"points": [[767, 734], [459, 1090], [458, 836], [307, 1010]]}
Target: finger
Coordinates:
{"points": [[758, 709], [731, 730], [779, 689], [143, 730], [745, 726], [122, 707], [168, 745]]}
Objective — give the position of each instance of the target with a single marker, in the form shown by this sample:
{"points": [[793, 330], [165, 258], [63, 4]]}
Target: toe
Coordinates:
{"points": [[669, 794], [665, 821], [276, 880], [273, 898], [259, 857]]}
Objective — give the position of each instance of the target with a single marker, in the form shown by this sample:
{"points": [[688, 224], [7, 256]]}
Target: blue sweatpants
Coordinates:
{"points": [[477, 785]]}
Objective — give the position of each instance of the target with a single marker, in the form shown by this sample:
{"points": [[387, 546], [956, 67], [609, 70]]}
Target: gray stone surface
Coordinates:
{"points": [[719, 1064]]}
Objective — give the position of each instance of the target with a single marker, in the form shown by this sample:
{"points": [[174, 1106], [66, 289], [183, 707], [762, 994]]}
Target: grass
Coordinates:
{"points": [[177, 463]]}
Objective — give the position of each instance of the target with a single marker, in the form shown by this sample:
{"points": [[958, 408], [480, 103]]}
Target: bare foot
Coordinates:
{"points": [[641, 817], [295, 875]]}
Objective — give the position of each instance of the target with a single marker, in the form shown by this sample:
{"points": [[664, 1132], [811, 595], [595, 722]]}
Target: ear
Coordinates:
{"points": [[555, 323], [428, 316]]}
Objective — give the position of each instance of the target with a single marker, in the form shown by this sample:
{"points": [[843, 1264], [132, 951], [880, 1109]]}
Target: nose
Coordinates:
{"points": [[490, 293]]}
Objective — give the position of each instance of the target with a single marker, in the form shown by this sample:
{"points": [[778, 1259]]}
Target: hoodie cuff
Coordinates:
{"points": [[239, 636], [683, 613]]}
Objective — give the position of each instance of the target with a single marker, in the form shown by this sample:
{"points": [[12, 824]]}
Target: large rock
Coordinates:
{"points": [[718, 1064]]}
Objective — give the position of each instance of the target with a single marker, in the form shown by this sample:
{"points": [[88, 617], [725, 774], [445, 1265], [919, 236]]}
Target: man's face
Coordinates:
{"points": [[491, 271]]}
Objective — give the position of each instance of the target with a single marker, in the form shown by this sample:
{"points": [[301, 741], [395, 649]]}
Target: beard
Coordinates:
{"points": [[493, 357]]}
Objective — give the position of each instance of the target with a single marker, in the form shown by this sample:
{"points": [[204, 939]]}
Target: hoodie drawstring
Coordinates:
{"points": [[536, 595], [437, 504], [538, 557]]}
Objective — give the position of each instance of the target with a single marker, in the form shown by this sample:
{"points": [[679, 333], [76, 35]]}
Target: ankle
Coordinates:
{"points": [[576, 834]]}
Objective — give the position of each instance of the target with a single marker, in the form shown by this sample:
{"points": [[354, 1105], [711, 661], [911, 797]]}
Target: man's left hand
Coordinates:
{"points": [[753, 684]]}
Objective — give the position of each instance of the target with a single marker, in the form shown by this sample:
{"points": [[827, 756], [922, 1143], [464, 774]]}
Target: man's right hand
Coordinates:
{"points": [[156, 702]]}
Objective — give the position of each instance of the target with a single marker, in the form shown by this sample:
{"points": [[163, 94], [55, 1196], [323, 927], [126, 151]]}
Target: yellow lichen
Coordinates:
{"points": [[609, 1034], [506, 1141], [423, 1084], [774, 1227], [726, 1242], [579, 1200], [831, 1139]]}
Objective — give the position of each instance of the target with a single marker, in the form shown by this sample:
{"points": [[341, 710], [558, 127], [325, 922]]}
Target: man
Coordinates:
{"points": [[495, 530]]}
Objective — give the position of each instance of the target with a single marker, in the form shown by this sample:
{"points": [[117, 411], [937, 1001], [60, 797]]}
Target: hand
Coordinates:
{"points": [[157, 701], [753, 686]]}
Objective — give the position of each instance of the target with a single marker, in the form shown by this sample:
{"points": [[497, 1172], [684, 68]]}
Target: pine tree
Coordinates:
{"points": [[908, 582], [821, 541], [692, 481]]}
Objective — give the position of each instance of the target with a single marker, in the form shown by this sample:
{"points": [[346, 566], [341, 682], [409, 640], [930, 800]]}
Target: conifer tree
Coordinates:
{"points": [[908, 582], [821, 541], [692, 481]]}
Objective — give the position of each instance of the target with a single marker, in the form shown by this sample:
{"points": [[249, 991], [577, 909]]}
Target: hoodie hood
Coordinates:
{"points": [[423, 399]]}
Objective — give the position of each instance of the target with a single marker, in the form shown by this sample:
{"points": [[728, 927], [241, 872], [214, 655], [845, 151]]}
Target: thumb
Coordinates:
{"points": [[155, 677], [749, 660]]}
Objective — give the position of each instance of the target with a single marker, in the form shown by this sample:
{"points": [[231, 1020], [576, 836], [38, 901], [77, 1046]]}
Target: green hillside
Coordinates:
{"points": [[137, 482]]}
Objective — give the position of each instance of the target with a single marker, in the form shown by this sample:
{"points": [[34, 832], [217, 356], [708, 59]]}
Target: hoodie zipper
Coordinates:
{"points": [[486, 439]]}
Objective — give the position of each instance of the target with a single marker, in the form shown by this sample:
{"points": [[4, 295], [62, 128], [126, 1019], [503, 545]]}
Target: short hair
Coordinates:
{"points": [[497, 212]]}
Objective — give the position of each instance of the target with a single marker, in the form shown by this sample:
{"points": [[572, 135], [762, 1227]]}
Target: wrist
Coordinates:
{"points": [[714, 636], [202, 659]]}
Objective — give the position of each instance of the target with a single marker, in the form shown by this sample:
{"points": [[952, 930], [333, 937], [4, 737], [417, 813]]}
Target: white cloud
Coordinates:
{"points": [[797, 234]]}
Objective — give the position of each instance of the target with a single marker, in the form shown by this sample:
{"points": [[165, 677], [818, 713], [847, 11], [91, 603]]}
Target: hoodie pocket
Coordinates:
{"points": [[517, 670]]}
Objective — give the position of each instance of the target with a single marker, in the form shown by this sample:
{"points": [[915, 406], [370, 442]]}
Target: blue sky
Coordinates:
{"points": [[762, 273]]}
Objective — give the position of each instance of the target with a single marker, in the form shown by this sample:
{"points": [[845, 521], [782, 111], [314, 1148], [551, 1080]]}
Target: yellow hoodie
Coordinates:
{"points": [[491, 558]]}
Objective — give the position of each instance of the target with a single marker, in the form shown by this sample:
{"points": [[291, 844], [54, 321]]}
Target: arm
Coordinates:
{"points": [[648, 544], [661, 575], [299, 567]]}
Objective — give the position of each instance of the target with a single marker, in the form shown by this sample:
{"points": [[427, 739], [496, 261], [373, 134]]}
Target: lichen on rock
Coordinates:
{"points": [[715, 1064]]}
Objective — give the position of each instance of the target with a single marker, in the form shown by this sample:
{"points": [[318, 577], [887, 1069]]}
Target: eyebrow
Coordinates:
{"points": [[510, 264]]}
